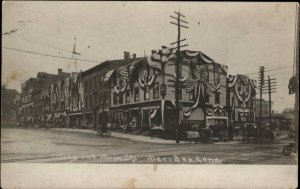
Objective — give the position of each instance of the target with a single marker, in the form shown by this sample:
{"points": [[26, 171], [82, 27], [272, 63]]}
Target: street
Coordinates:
{"points": [[35, 145]]}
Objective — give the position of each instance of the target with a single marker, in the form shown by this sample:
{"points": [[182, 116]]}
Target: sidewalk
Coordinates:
{"points": [[135, 137], [123, 135]]}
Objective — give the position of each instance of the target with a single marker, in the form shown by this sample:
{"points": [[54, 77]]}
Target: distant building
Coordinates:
{"points": [[285, 120], [32, 102], [265, 111]]}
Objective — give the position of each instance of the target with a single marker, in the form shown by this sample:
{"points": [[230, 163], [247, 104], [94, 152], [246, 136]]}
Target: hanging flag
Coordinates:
{"points": [[124, 71], [189, 85]]}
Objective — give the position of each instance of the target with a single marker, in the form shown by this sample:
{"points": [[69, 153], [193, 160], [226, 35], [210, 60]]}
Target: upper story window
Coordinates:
{"points": [[128, 96], [86, 86], [106, 98], [96, 99], [192, 95], [136, 94], [115, 99], [120, 99], [217, 98], [207, 76], [156, 90], [146, 94], [101, 99]]}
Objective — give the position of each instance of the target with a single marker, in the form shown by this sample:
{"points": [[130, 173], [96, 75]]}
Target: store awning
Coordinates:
{"points": [[150, 108], [74, 114], [108, 75]]}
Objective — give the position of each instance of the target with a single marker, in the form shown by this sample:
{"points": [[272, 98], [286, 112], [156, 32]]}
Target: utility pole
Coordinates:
{"points": [[179, 24], [271, 88], [74, 53], [261, 84]]}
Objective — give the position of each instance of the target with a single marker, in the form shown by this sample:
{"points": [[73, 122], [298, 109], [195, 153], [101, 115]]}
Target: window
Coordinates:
{"points": [[101, 99], [96, 99], [91, 101], [115, 99], [207, 76], [217, 98], [106, 98], [146, 94], [136, 94], [101, 82], [206, 98], [156, 91], [87, 102], [121, 99], [94, 83], [90, 85], [239, 103], [128, 96], [192, 95], [218, 78], [86, 86]]}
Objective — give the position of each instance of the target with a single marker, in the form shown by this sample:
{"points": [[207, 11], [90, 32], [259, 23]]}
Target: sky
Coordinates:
{"points": [[242, 36]]}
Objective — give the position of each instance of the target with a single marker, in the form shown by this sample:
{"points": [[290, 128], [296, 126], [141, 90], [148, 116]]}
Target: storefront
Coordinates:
{"points": [[74, 119], [218, 126]]}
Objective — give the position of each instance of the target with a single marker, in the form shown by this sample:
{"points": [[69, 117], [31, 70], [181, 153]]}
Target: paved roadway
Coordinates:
{"points": [[54, 146]]}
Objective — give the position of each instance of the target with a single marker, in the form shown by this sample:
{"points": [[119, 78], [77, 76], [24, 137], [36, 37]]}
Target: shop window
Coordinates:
{"points": [[128, 96], [217, 98], [156, 91]]}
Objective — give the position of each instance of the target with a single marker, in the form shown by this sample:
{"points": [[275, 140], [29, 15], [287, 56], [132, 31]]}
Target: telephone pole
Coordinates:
{"points": [[261, 83], [179, 23], [74, 53], [271, 88]]}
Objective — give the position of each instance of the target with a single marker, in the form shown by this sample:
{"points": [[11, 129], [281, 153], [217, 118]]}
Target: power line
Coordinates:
{"points": [[48, 55]]}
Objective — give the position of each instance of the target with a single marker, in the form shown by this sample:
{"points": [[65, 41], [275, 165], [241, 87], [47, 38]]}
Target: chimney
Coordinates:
{"points": [[133, 55], [153, 51], [126, 55], [59, 71]]}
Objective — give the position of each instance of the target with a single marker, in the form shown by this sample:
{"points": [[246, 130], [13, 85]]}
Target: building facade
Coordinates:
{"points": [[139, 94], [35, 97], [241, 103]]}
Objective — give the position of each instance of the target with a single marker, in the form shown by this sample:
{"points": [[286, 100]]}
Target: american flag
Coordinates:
{"points": [[199, 73], [189, 85], [124, 71]]}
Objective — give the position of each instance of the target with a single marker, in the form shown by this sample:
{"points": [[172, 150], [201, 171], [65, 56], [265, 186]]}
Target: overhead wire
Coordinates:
{"points": [[48, 55]]}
